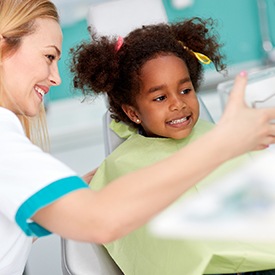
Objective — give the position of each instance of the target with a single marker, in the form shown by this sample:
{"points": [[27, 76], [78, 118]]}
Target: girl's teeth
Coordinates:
{"points": [[176, 121]]}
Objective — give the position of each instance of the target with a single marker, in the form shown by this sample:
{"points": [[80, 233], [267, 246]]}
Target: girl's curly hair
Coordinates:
{"points": [[99, 68]]}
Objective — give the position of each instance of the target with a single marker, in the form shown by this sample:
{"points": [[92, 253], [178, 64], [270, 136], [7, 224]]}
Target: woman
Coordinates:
{"points": [[38, 194]]}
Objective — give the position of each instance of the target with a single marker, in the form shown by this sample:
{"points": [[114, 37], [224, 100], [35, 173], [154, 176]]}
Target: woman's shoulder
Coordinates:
{"points": [[9, 123]]}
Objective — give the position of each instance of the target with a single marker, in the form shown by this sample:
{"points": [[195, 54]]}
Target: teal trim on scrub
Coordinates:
{"points": [[44, 197]]}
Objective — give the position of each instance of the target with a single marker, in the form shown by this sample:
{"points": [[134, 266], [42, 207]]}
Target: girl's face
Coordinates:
{"points": [[167, 105], [29, 73]]}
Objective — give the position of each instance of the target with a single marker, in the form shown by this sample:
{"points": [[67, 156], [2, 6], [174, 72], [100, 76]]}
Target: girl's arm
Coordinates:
{"points": [[130, 201]]}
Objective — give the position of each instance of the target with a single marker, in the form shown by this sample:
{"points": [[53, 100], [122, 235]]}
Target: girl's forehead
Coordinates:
{"points": [[162, 59], [162, 71], [160, 55]]}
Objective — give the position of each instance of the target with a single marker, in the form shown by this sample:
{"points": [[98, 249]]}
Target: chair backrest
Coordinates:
{"points": [[79, 258], [204, 112], [122, 16]]}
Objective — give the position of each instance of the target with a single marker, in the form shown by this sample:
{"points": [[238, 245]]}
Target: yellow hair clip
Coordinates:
{"points": [[201, 57]]}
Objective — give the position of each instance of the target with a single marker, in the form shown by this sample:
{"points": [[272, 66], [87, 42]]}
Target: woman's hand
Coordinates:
{"points": [[250, 128]]}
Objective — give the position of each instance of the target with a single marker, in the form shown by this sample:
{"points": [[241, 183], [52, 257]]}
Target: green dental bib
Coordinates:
{"points": [[141, 253]]}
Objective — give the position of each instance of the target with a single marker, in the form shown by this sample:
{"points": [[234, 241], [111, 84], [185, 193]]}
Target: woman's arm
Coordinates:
{"points": [[133, 199]]}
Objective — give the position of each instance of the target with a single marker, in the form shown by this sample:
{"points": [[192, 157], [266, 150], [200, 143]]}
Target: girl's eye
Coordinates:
{"points": [[50, 57], [160, 98], [185, 91]]}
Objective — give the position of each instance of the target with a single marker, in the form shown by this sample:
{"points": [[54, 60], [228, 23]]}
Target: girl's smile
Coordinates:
{"points": [[180, 122]]}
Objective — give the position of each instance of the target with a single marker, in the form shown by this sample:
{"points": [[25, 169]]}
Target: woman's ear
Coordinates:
{"points": [[131, 112]]}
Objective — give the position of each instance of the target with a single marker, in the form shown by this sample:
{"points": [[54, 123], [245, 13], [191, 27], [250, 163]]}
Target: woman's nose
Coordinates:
{"points": [[54, 77]]}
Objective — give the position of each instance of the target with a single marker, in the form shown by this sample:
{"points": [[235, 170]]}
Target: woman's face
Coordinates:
{"points": [[167, 105], [29, 73]]}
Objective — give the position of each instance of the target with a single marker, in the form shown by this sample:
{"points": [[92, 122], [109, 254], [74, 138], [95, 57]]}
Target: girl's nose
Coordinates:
{"points": [[177, 103]]}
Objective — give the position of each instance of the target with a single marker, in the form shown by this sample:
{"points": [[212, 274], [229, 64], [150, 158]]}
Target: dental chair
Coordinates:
{"points": [[108, 18], [86, 259]]}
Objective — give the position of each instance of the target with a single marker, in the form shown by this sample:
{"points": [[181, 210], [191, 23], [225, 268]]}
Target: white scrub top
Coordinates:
{"points": [[29, 180]]}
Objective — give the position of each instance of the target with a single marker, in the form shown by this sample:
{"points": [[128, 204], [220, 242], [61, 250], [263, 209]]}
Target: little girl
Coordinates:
{"points": [[151, 78]]}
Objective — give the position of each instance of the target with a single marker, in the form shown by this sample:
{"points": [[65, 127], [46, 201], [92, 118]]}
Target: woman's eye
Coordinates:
{"points": [[50, 57], [160, 98]]}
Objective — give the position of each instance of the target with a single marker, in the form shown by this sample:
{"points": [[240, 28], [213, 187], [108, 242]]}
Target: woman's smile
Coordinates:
{"points": [[41, 91]]}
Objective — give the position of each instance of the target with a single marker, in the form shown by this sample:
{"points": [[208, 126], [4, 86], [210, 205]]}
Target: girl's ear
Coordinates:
{"points": [[1, 44], [131, 112], [1, 39]]}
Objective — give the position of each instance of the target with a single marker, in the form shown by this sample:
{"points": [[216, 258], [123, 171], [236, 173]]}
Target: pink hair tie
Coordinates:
{"points": [[119, 43]]}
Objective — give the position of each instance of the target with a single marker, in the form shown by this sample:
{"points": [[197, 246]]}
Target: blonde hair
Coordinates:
{"points": [[17, 21]]}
